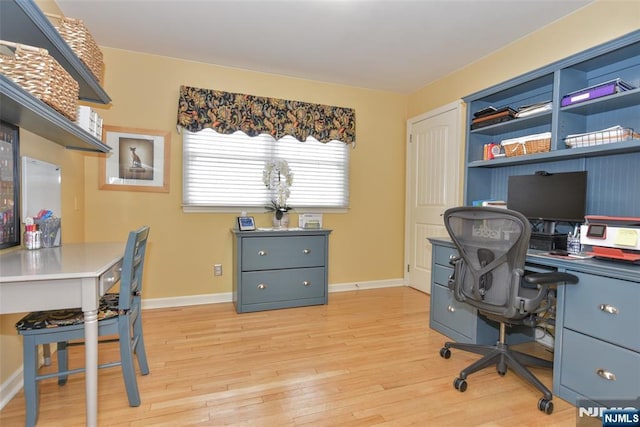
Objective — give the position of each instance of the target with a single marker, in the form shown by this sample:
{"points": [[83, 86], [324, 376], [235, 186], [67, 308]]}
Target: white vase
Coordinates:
{"points": [[283, 222]]}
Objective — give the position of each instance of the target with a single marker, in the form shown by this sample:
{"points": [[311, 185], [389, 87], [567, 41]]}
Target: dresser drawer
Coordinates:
{"points": [[456, 315], [441, 275], [282, 285], [442, 254], [588, 365], [604, 308], [265, 253]]}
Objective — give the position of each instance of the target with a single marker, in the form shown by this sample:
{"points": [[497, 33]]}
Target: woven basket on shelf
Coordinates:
{"points": [[38, 73], [77, 36], [528, 147]]}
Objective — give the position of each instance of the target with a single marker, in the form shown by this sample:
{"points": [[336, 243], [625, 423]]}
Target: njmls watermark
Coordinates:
{"points": [[608, 413]]}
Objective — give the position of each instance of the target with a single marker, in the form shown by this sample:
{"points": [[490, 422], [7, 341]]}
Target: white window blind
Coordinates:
{"points": [[225, 171]]}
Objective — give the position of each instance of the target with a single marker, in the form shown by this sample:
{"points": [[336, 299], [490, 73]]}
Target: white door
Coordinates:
{"points": [[434, 158]]}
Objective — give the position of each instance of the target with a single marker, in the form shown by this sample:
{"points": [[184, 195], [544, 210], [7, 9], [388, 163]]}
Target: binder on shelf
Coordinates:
{"points": [[596, 91]]}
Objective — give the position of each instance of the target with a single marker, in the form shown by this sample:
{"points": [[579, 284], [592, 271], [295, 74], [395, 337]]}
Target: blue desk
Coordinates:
{"points": [[597, 344]]}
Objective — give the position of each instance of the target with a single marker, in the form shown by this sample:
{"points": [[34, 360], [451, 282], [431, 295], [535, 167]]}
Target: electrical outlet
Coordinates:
{"points": [[217, 269]]}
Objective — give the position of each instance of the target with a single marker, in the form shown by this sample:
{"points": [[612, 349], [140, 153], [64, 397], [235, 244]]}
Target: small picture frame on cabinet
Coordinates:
{"points": [[246, 223]]}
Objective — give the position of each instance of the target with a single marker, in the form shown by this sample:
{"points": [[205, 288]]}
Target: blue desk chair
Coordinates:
{"points": [[489, 275], [119, 314]]}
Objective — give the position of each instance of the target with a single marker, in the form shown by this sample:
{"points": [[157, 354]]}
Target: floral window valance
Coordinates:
{"points": [[227, 112]]}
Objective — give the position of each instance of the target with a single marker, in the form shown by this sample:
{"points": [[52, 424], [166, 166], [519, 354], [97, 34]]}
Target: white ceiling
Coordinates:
{"points": [[391, 45]]}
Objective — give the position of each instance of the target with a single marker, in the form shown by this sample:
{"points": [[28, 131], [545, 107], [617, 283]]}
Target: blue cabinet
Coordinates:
{"points": [[280, 269], [613, 173], [597, 346], [597, 342], [455, 319]]}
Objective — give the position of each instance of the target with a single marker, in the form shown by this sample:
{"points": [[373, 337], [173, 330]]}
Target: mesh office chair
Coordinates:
{"points": [[119, 314], [488, 274]]}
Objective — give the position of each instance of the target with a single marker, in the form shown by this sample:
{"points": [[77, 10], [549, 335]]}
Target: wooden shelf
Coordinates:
{"points": [[21, 21], [26, 111], [630, 146]]}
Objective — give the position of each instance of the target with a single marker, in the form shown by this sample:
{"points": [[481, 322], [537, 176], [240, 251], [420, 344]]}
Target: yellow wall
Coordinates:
{"points": [[367, 241], [601, 21], [184, 247]]}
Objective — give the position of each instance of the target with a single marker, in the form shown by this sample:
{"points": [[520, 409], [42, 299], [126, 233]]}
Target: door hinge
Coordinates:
{"points": [[410, 138], [408, 268]]}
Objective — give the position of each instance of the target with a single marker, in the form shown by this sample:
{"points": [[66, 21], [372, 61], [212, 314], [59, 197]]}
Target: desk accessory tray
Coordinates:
{"points": [[604, 136]]}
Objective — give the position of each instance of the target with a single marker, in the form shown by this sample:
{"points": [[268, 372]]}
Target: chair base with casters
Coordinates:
{"points": [[119, 316], [489, 275], [503, 358]]}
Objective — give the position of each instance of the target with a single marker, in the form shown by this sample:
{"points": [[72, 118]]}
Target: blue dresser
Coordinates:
{"points": [[280, 269]]}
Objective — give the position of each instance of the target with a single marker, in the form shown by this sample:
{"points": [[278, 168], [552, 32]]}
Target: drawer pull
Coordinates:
{"points": [[451, 308], [262, 286], [452, 257], [606, 374], [306, 283], [111, 279], [608, 309], [262, 253], [306, 251]]}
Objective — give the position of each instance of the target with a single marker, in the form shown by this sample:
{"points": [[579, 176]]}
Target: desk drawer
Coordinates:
{"points": [[583, 357], [441, 275], [448, 311], [282, 285], [265, 253], [604, 308], [441, 254], [110, 277]]}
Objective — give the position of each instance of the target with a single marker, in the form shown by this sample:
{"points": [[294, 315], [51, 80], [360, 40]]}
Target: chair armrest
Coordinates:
{"points": [[549, 278]]}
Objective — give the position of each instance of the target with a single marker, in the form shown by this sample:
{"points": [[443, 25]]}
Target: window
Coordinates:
{"points": [[225, 171]]}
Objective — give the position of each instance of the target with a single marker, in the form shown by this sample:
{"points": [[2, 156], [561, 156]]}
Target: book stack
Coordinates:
{"points": [[491, 115]]}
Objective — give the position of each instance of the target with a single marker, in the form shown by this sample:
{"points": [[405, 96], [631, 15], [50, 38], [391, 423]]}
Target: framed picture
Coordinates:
{"points": [[138, 161], [9, 186], [246, 223]]}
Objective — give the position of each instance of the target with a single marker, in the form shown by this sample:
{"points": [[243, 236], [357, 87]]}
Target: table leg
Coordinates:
{"points": [[91, 364]]}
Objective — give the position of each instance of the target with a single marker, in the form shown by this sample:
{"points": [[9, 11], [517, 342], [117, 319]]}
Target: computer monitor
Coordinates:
{"points": [[549, 197]]}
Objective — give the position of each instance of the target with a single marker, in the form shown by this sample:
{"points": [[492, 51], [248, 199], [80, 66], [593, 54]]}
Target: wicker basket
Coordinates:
{"points": [[527, 147], [77, 36], [530, 144], [38, 73]]}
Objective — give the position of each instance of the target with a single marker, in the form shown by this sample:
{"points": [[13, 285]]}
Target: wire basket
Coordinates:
{"points": [[38, 73], [605, 136], [78, 37], [514, 148]]}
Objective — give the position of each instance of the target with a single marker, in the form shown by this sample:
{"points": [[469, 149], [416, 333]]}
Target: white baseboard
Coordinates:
{"points": [[228, 296], [11, 387], [13, 384]]}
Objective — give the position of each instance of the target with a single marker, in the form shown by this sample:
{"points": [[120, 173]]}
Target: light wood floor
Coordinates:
{"points": [[367, 358]]}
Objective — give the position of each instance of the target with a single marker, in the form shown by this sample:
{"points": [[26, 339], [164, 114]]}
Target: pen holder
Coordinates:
{"points": [[50, 228], [573, 244]]}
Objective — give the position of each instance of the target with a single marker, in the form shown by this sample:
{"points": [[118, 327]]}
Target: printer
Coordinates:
{"points": [[612, 238]]}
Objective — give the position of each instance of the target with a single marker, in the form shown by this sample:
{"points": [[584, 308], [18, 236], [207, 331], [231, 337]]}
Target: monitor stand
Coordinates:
{"points": [[547, 241], [548, 227]]}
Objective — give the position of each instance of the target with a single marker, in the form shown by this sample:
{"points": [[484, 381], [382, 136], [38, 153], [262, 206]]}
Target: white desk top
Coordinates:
{"points": [[69, 261]]}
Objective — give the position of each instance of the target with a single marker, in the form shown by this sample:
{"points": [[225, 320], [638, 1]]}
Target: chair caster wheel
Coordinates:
{"points": [[545, 405], [445, 353], [460, 384], [502, 369]]}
